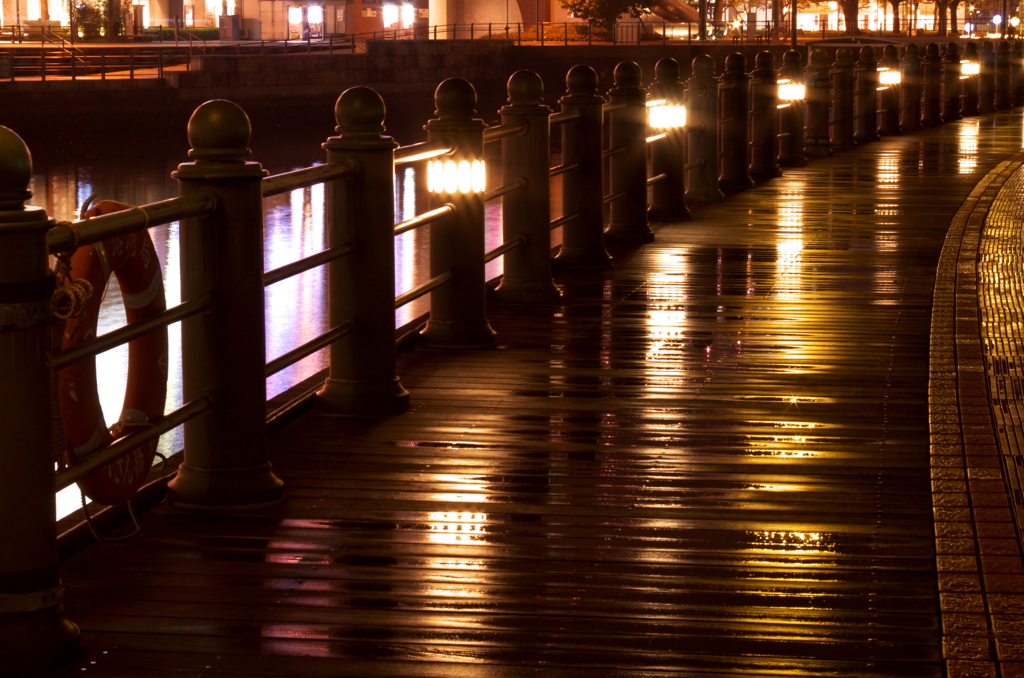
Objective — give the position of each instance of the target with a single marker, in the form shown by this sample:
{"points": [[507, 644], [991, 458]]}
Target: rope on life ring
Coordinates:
{"points": [[133, 261]]}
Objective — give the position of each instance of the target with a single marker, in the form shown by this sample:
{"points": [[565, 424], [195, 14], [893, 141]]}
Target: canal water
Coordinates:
{"points": [[69, 167]]}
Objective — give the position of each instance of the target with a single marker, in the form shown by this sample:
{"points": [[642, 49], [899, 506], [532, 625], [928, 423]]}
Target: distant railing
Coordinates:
{"points": [[62, 60]]}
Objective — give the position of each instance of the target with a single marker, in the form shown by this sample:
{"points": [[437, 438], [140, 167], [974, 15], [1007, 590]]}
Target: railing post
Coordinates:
{"points": [[223, 351], [582, 187], [931, 91], [1016, 73], [951, 83], [458, 317], [843, 99], [816, 82], [628, 168], [702, 132], [791, 118], [734, 126], [987, 79], [34, 633], [1003, 76], [668, 155], [910, 83], [866, 125], [969, 86], [764, 118], [362, 377], [527, 269], [889, 115]]}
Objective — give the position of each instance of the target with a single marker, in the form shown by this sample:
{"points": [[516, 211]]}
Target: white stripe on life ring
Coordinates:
{"points": [[146, 296]]}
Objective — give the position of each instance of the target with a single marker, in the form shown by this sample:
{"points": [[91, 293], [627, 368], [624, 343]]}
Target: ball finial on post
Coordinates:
{"points": [[703, 66], [581, 80], [666, 71], [525, 87], [628, 74], [219, 131], [359, 111], [15, 170], [455, 98]]}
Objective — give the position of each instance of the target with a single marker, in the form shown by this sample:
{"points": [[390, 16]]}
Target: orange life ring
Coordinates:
{"points": [[132, 258]]}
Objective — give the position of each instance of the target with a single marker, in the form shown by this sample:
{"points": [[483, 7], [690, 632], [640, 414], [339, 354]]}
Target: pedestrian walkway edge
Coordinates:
{"points": [[977, 545]]}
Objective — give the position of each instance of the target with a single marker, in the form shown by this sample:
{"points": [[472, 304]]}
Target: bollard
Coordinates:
{"points": [[764, 118], [34, 633], [791, 112], [527, 268], [1002, 98], [865, 126], [582, 187], [951, 83], [702, 133], [734, 125], [458, 317], [1017, 73], [987, 78], [843, 99], [816, 83], [931, 86], [225, 464], [969, 84], [362, 377], [889, 95], [911, 84], [628, 155], [668, 155]]}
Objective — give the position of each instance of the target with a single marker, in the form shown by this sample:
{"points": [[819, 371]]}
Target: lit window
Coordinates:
{"points": [[390, 15]]}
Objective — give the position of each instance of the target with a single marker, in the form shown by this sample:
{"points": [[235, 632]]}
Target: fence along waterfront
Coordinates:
{"points": [[220, 200]]}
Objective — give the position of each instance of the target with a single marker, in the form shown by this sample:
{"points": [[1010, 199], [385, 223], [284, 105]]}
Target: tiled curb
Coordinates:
{"points": [[978, 554]]}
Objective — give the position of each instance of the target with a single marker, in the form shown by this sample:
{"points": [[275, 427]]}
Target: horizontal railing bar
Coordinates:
{"points": [[562, 220], [511, 187], [502, 131], [131, 332], [424, 219], [657, 137], [515, 242], [61, 239], [567, 116], [154, 429], [655, 179], [562, 169], [613, 197], [417, 292], [609, 108], [309, 348], [613, 151], [423, 150], [303, 265], [309, 176]]}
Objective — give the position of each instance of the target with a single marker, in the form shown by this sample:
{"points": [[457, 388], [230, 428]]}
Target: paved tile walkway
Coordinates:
{"points": [[715, 459]]}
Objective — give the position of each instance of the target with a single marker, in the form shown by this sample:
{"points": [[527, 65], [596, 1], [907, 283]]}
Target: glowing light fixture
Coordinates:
{"points": [[791, 91], [888, 76], [1015, 21], [997, 19], [390, 14], [665, 116], [448, 176], [970, 67]]}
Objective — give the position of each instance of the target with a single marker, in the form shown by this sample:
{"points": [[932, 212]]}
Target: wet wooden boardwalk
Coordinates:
{"points": [[710, 460]]}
